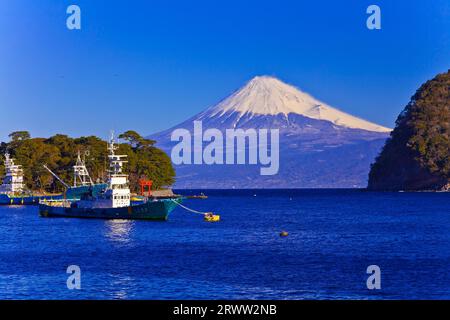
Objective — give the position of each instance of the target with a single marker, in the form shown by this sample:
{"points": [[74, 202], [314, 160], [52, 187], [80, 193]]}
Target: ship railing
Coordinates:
{"points": [[56, 202]]}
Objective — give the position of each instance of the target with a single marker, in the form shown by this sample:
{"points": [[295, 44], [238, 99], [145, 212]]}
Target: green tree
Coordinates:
{"points": [[416, 156], [146, 161], [136, 140], [19, 136]]}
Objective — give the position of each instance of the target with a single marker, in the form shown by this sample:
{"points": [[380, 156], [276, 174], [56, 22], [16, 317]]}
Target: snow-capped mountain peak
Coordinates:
{"points": [[319, 145], [265, 95]]}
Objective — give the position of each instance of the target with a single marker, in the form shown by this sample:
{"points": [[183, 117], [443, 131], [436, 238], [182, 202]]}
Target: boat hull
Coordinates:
{"points": [[71, 193], [22, 200], [151, 210]]}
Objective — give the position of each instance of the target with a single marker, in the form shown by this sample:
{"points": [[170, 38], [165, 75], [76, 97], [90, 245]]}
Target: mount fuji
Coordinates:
{"points": [[320, 146]]}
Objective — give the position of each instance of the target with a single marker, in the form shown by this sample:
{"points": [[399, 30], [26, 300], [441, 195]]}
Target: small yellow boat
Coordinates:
{"points": [[210, 217]]}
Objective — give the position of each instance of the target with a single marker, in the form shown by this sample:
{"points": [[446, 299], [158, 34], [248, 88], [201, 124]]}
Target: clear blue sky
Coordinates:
{"points": [[148, 65]]}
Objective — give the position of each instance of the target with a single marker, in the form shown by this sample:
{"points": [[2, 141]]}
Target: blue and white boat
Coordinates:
{"points": [[115, 202]]}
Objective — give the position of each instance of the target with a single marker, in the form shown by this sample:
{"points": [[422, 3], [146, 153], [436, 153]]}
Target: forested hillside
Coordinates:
{"points": [[417, 155]]}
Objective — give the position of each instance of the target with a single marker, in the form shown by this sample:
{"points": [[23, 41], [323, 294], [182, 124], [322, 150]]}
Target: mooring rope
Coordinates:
{"points": [[189, 209]]}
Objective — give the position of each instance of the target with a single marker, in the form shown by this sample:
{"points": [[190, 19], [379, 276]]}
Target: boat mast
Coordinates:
{"points": [[116, 162], [118, 181], [80, 173]]}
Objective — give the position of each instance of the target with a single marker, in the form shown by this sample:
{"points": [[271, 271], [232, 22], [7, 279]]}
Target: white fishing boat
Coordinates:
{"points": [[114, 202]]}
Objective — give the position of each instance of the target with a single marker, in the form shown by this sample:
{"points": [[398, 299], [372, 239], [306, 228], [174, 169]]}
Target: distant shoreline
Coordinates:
{"points": [[176, 190]]}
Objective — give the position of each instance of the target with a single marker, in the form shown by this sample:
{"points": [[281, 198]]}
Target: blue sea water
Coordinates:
{"points": [[334, 235]]}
